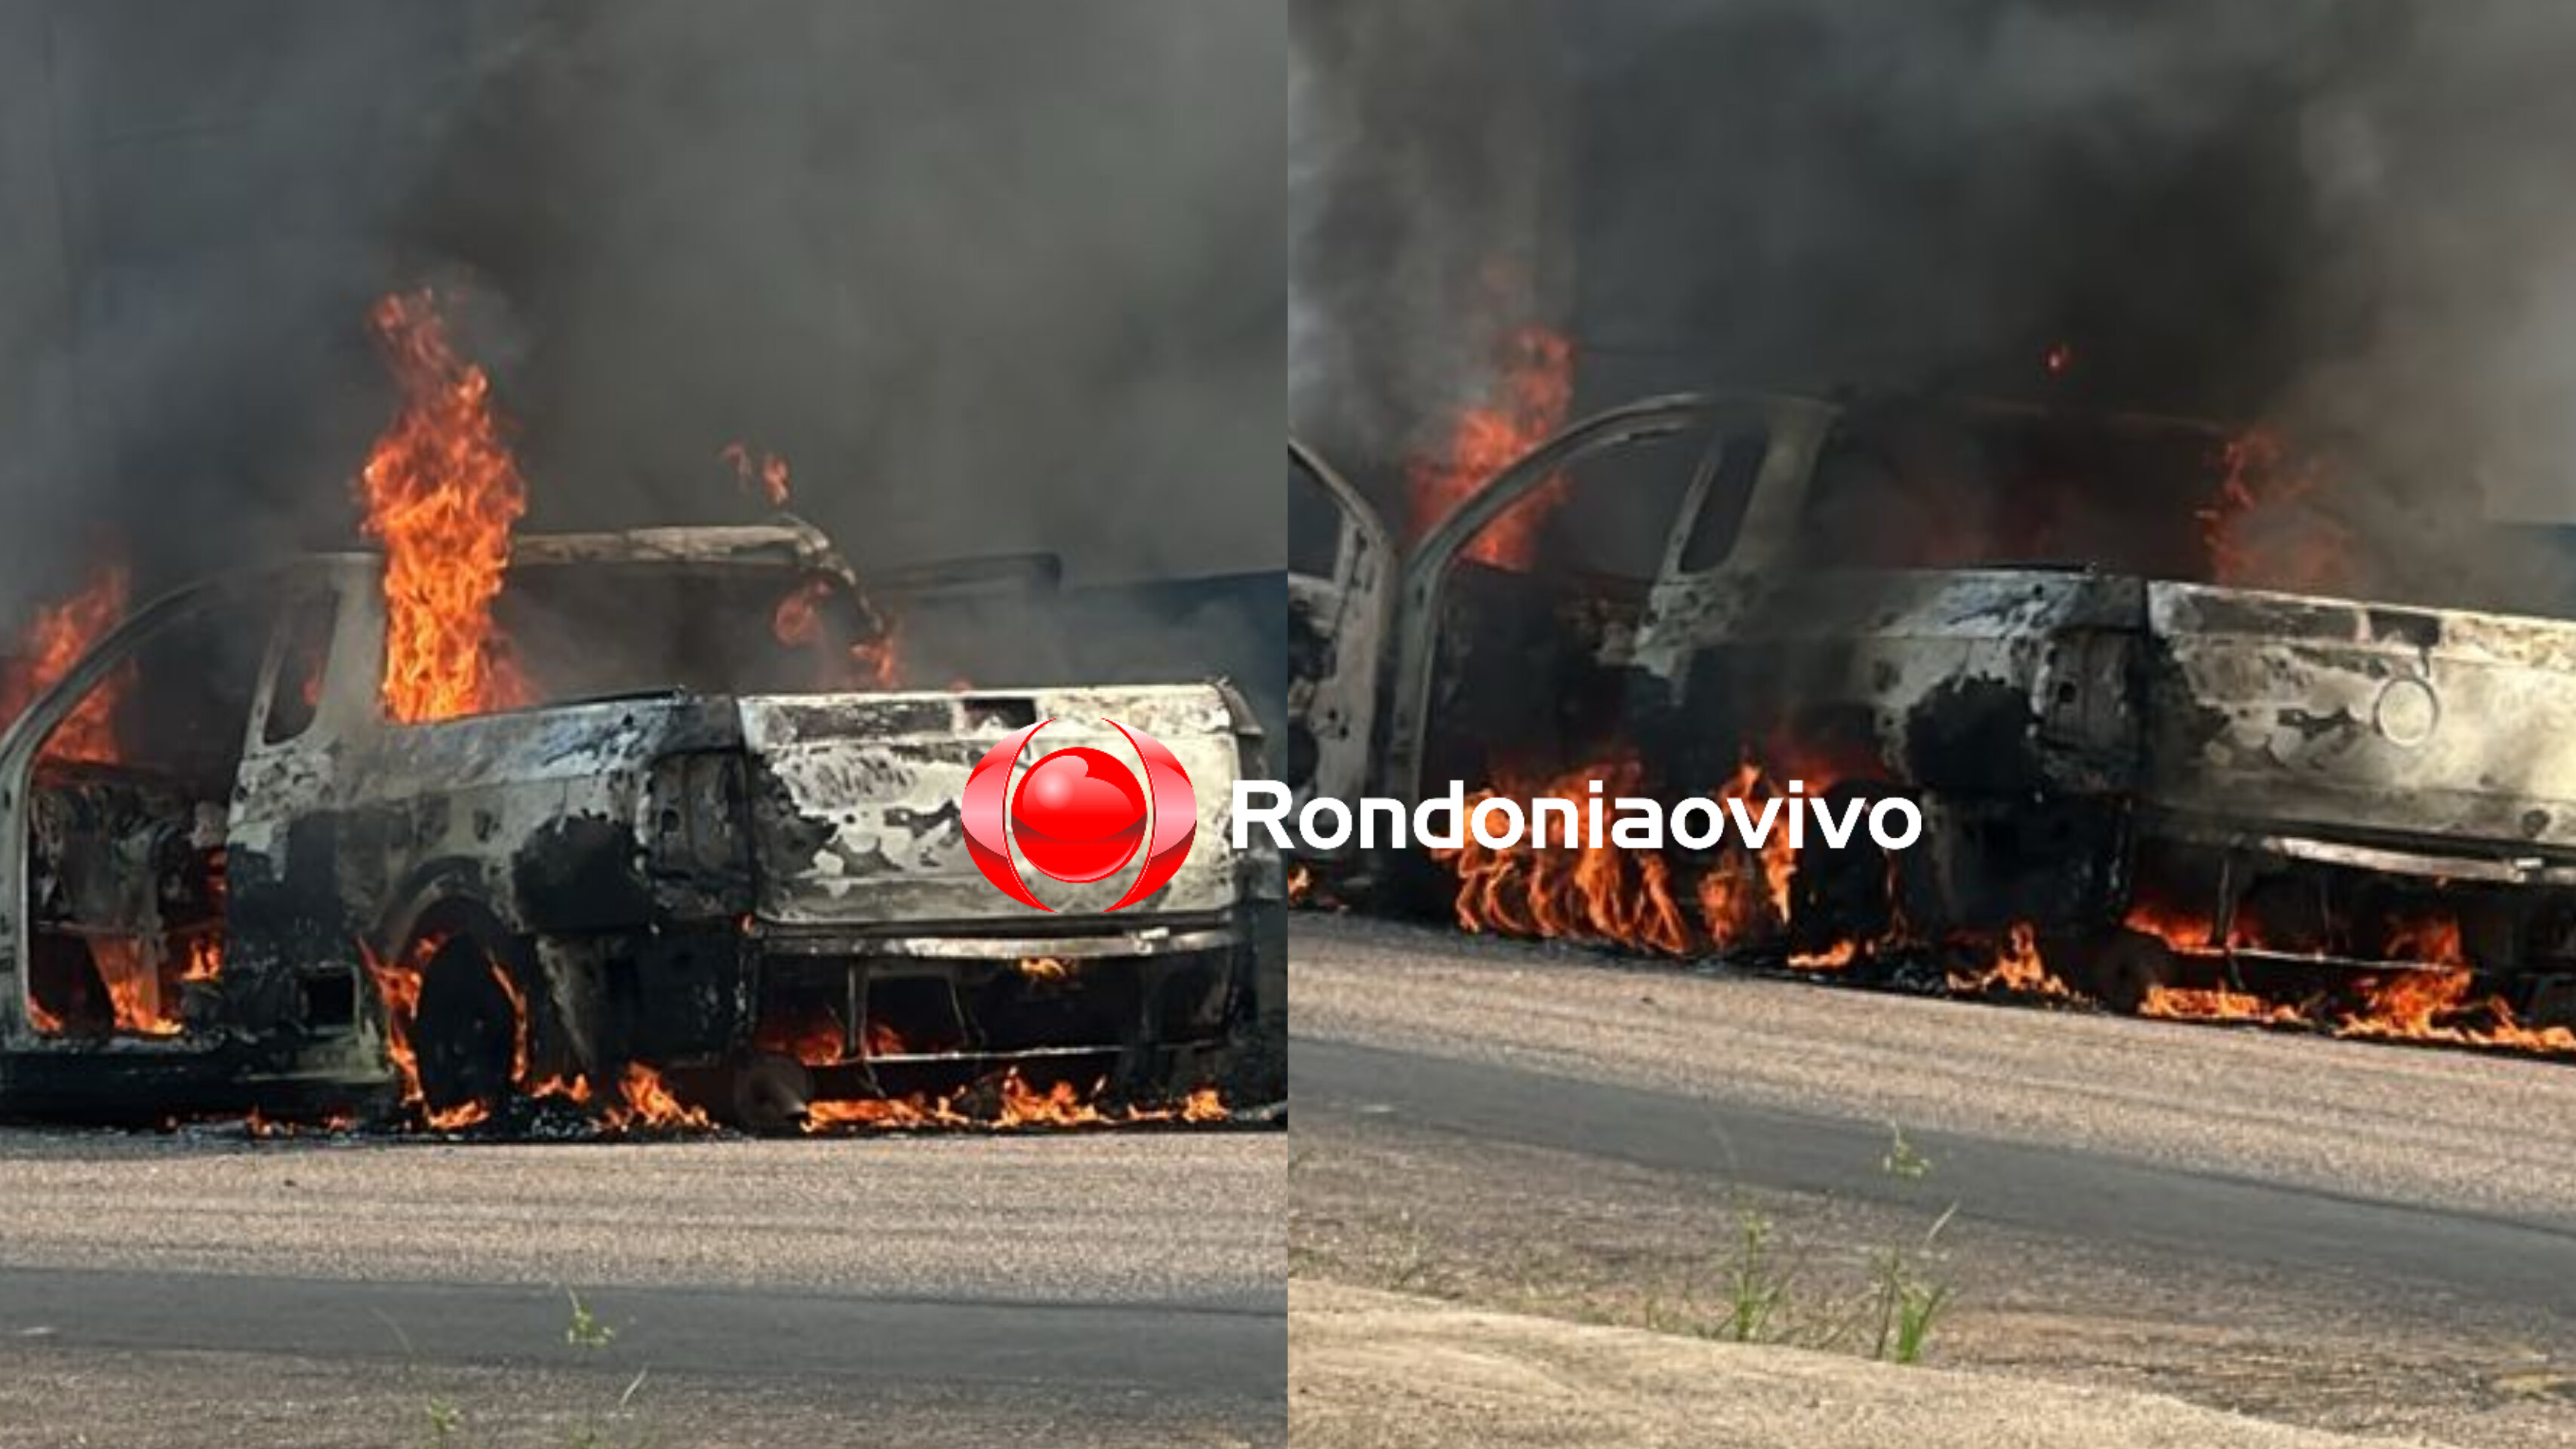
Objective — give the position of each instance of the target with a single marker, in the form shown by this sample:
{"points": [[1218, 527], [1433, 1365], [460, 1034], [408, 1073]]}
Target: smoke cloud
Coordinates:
{"points": [[990, 286], [2339, 220]]}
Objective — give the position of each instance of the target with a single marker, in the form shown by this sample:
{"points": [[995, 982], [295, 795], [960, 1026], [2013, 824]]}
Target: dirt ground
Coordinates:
{"points": [[1390, 1193], [1379, 1371]]}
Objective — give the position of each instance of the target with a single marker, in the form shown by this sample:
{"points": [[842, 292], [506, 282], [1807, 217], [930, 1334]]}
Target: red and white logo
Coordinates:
{"points": [[1079, 815]]}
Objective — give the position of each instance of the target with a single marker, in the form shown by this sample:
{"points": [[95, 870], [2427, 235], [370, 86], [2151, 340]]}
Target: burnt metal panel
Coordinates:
{"points": [[855, 800]]}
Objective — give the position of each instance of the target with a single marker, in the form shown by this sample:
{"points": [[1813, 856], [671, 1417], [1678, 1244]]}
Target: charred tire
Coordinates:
{"points": [[771, 1093], [2122, 969], [466, 1032]]}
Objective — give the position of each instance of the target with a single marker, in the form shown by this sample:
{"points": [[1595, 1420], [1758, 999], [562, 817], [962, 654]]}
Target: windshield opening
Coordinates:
{"points": [[1927, 488], [598, 631]]}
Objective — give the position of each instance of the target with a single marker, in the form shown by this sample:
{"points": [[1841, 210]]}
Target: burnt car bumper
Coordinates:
{"points": [[1150, 1005]]}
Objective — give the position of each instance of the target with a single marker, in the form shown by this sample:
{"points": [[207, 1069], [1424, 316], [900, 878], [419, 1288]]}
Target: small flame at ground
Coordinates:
{"points": [[648, 1103], [2431, 997], [2181, 1003], [2016, 968], [644, 1101], [1006, 1103]]}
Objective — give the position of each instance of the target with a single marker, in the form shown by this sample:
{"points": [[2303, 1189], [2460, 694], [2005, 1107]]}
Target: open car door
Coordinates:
{"points": [[1341, 602]]}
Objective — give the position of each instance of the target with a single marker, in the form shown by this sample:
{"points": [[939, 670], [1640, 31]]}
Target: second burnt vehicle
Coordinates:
{"points": [[2006, 614], [682, 854]]}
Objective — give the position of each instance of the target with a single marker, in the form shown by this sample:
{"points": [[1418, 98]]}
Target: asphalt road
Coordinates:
{"points": [[2138, 1203], [1087, 1289]]}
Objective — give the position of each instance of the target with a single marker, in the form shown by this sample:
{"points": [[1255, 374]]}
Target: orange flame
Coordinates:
{"points": [[1007, 1103], [1534, 388], [130, 969], [205, 957], [2408, 1003], [2432, 999], [2435, 1004], [56, 639], [648, 1103], [797, 623], [442, 493], [2433, 940], [883, 1112], [398, 985], [2178, 929], [2218, 1003], [2017, 967], [813, 1039], [2265, 528], [1605, 893], [1620, 897], [766, 478]]}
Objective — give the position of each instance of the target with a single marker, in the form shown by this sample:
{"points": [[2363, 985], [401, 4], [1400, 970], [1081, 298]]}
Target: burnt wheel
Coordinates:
{"points": [[771, 1093], [467, 1029], [2122, 969]]}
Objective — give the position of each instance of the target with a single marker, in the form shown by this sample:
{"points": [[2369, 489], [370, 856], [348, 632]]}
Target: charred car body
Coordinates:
{"points": [[693, 860], [2172, 782]]}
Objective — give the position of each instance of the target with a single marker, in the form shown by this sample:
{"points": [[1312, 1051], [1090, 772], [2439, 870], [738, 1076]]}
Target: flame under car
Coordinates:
{"points": [[692, 871]]}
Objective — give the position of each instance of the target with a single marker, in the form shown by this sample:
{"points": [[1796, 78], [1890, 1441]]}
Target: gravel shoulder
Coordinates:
{"points": [[204, 1291], [1378, 1371], [1154, 1216], [2327, 1237], [2450, 1127]]}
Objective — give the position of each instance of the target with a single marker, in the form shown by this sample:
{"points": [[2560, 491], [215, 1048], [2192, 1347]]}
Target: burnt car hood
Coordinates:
{"points": [[2258, 713], [2363, 717], [855, 802]]}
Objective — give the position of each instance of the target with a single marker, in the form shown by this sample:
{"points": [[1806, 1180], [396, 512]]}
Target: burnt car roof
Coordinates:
{"points": [[786, 541]]}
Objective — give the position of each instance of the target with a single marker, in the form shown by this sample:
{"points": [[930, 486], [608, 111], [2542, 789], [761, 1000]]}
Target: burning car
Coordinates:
{"points": [[676, 855], [2189, 796]]}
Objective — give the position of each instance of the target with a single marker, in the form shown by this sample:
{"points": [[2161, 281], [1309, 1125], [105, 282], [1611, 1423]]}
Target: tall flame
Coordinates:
{"points": [[441, 492], [1531, 395], [130, 968], [1621, 897]]}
